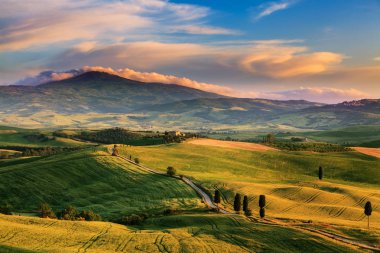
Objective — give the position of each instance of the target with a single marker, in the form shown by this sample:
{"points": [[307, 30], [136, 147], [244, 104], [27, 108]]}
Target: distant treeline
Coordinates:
{"points": [[124, 136], [309, 146], [34, 151]]}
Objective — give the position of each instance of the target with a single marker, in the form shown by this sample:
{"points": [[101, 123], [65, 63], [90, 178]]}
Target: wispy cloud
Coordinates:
{"points": [[268, 9], [376, 58], [66, 21]]}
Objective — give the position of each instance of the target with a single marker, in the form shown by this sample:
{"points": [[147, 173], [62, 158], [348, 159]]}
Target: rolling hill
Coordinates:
{"points": [[91, 179], [97, 99]]}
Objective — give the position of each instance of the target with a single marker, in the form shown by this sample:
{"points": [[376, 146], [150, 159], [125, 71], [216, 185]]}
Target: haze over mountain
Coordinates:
{"points": [[101, 99]]}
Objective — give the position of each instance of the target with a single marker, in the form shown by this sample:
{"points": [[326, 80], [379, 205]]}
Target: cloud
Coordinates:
{"points": [[323, 94], [271, 59], [148, 77], [205, 30], [376, 58], [270, 8], [67, 21]]}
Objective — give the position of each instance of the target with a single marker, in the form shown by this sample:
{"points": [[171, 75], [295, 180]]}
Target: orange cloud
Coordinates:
{"points": [[153, 77]]}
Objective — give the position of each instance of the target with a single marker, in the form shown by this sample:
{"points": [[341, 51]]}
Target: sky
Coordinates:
{"points": [[318, 50]]}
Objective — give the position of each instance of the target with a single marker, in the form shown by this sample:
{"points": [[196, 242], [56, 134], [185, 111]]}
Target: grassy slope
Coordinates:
{"points": [[91, 179], [10, 136], [287, 178], [184, 233]]}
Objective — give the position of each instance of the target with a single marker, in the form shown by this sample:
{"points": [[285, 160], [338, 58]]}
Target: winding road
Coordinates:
{"points": [[210, 204]]}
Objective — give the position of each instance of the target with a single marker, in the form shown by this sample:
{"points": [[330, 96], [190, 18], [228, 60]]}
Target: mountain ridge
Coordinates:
{"points": [[102, 99]]}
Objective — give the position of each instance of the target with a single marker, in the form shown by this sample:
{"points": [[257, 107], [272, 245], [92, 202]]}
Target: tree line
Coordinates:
{"points": [[36, 151]]}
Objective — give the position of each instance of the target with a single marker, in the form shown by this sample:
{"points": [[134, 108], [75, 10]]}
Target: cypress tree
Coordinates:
{"points": [[262, 212], [245, 203], [320, 173], [368, 210], [237, 202], [217, 197], [262, 201]]}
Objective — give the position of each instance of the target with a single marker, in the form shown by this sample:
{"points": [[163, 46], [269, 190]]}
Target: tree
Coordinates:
{"points": [[217, 197], [171, 171], [262, 212], [262, 204], [6, 209], [46, 211], [368, 210], [245, 203], [137, 160], [270, 138], [114, 150], [90, 215], [70, 213], [262, 201], [320, 173], [237, 202]]}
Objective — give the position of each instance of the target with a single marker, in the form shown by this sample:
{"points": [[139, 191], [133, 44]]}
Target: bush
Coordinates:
{"points": [[133, 219], [171, 171], [90, 216], [46, 211], [6, 209], [169, 211], [248, 212], [70, 213], [137, 160]]}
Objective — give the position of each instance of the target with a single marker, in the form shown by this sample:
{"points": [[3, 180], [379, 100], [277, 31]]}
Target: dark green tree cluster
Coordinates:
{"points": [[310, 146], [39, 151], [6, 209], [69, 213], [121, 136], [46, 211], [171, 171], [269, 138], [133, 219]]}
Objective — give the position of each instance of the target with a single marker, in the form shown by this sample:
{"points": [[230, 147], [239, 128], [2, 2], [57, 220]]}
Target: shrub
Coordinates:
{"points": [[137, 160], [171, 171], [169, 211], [6, 209], [248, 212], [90, 216], [133, 219], [70, 213], [46, 211]]}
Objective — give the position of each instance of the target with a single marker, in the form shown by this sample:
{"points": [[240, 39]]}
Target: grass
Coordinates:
{"points": [[19, 137], [179, 233], [91, 179], [289, 179]]}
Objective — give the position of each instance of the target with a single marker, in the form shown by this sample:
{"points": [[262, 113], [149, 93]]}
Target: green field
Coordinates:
{"points": [[179, 233], [289, 179], [91, 179], [11, 136], [366, 136]]}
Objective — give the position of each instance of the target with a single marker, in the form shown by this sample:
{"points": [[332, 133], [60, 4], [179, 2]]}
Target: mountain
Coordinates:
{"points": [[228, 110], [93, 92], [359, 112], [98, 99]]}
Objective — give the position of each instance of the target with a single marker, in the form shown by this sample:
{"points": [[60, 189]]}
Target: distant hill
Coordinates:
{"points": [[93, 92], [98, 99]]}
